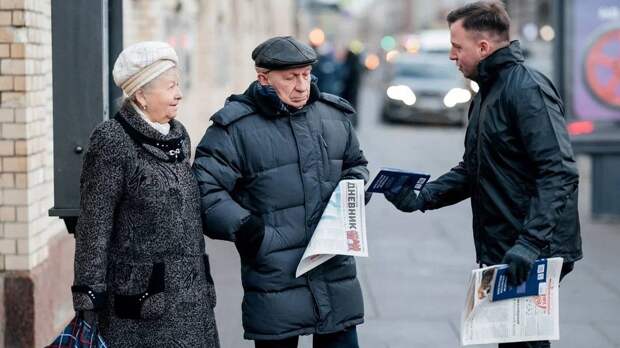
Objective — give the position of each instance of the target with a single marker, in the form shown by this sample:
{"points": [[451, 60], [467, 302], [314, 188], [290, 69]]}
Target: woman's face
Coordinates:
{"points": [[160, 98]]}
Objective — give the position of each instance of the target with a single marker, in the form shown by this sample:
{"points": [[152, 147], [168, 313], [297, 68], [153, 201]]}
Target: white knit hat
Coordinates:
{"points": [[141, 63]]}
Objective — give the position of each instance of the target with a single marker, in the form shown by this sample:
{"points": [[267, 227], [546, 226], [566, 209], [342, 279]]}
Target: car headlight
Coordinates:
{"points": [[402, 93], [456, 96]]}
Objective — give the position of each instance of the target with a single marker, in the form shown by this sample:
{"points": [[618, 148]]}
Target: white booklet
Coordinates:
{"points": [[341, 230], [497, 313]]}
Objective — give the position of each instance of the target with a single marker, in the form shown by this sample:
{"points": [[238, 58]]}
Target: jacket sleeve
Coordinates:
{"points": [[101, 186], [217, 169], [354, 163], [542, 129], [448, 189]]}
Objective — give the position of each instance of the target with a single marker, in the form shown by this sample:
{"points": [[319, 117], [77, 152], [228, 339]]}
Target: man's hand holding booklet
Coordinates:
{"points": [[394, 180], [399, 186]]}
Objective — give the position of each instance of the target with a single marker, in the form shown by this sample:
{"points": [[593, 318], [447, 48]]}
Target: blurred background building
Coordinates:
{"points": [[388, 57]]}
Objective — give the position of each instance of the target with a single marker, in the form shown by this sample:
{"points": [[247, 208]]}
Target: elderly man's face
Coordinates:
{"points": [[291, 85]]}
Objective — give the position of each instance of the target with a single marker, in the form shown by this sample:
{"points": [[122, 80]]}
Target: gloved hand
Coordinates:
{"points": [[405, 200], [249, 238], [520, 259]]}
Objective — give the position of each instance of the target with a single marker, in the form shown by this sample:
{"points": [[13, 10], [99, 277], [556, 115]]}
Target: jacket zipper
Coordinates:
{"points": [[477, 179]]}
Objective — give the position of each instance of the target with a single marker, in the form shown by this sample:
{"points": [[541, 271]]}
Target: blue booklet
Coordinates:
{"points": [[389, 179], [535, 284]]}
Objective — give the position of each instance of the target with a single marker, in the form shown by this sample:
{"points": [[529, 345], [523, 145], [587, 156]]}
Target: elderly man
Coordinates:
{"points": [[266, 169], [518, 167]]}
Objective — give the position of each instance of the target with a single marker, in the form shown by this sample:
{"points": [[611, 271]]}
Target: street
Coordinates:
{"points": [[415, 277]]}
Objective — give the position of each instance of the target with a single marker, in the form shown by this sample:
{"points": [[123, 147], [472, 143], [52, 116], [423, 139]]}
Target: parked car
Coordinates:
{"points": [[426, 88]]}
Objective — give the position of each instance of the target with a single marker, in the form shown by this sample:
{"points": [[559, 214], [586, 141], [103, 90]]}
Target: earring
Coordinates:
{"points": [[145, 107]]}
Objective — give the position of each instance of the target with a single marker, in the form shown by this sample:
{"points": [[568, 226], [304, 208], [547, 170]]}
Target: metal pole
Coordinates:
{"points": [[80, 93], [115, 45]]}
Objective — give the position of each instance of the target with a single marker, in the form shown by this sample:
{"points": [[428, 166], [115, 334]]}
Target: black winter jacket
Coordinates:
{"points": [[282, 165], [518, 167]]}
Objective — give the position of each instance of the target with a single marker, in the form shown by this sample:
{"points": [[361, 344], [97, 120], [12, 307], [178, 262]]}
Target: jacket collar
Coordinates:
{"points": [[270, 106], [489, 67], [128, 113]]}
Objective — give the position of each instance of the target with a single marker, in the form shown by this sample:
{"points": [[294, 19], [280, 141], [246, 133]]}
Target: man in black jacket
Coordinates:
{"points": [[266, 169], [518, 167]]}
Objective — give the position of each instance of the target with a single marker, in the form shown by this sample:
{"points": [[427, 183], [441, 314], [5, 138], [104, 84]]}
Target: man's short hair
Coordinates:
{"points": [[483, 16]]}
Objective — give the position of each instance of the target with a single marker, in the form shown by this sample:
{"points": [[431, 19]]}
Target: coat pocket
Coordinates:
{"points": [[149, 304], [264, 247], [261, 263]]}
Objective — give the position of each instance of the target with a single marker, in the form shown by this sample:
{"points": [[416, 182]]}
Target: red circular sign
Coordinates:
{"points": [[602, 68]]}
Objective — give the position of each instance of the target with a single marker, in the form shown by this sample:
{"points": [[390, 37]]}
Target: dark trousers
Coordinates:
{"points": [[341, 339], [566, 269]]}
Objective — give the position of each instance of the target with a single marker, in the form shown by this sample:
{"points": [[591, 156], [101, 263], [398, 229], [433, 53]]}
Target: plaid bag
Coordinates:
{"points": [[78, 334]]}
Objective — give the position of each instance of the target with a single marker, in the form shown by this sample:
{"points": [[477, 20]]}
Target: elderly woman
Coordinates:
{"points": [[140, 265]]}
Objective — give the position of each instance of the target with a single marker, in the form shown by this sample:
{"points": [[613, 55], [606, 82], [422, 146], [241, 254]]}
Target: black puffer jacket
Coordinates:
{"points": [[262, 159], [518, 167]]}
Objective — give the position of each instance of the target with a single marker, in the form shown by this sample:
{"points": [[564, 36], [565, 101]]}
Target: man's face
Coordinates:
{"points": [[468, 49], [291, 85]]}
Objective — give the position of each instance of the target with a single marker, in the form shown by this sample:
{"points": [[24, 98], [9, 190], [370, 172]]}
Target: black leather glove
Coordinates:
{"points": [[249, 238], [520, 259], [405, 200]]}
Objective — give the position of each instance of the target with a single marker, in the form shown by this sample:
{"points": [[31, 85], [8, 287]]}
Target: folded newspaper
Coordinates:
{"points": [[496, 312], [341, 230]]}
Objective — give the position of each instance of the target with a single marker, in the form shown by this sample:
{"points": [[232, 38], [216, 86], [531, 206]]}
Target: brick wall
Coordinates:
{"points": [[34, 299], [26, 168]]}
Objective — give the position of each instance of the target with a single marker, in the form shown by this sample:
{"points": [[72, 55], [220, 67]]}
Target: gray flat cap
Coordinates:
{"points": [[283, 52]]}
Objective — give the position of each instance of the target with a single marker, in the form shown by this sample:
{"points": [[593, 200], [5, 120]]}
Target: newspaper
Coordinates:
{"points": [[519, 316], [341, 230]]}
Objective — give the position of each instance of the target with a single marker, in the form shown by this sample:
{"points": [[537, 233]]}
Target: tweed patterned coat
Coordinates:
{"points": [[140, 259]]}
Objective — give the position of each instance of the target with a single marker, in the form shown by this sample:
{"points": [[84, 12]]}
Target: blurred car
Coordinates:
{"points": [[426, 88], [435, 41]]}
